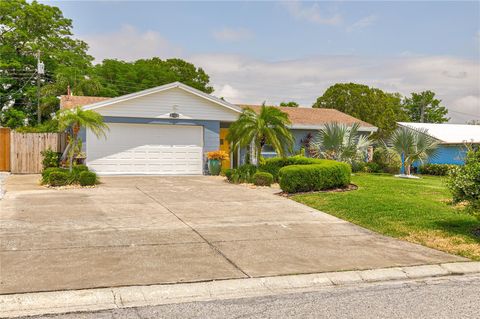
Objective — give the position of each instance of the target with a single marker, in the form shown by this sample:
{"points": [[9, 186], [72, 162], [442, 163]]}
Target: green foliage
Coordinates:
{"points": [[87, 178], [268, 126], [262, 179], [415, 145], [12, 118], [59, 178], [433, 111], [464, 182], [368, 104], [289, 104], [47, 171], [358, 166], [387, 161], [49, 126], [340, 142], [436, 169], [228, 172], [314, 177], [373, 167], [274, 164], [50, 158], [243, 174], [77, 170]]}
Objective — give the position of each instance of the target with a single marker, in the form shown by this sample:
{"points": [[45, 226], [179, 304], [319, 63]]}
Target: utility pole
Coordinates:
{"points": [[40, 71]]}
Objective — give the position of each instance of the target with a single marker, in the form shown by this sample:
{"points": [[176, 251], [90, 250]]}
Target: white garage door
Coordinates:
{"points": [[147, 149]]}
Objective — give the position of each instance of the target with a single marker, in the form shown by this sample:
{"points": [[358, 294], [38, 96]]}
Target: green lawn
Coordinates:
{"points": [[416, 210]]}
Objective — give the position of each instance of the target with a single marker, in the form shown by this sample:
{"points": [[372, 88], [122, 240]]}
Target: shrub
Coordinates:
{"points": [[436, 169], [373, 167], [388, 162], [314, 177], [262, 179], [358, 166], [46, 173], [228, 173], [274, 164], [59, 178], [50, 158], [464, 182], [87, 178]]}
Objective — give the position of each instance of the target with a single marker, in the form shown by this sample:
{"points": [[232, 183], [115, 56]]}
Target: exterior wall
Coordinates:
{"points": [[448, 154], [161, 104], [211, 130]]}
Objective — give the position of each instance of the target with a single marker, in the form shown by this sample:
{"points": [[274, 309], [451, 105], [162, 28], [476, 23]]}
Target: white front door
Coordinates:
{"points": [[147, 149]]}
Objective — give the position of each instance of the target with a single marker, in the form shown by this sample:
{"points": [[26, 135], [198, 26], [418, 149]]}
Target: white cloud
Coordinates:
{"points": [[311, 13], [231, 35], [363, 23], [130, 44], [456, 81]]}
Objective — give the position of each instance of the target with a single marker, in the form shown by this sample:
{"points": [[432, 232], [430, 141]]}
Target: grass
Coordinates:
{"points": [[416, 210]]}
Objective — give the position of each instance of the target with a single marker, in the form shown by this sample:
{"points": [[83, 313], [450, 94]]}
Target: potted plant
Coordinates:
{"points": [[215, 159]]}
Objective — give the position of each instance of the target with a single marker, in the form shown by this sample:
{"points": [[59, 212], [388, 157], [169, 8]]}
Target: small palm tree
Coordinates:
{"points": [[75, 119], [412, 146], [268, 126], [340, 142]]}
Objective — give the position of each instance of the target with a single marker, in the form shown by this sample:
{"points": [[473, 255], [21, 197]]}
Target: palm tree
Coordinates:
{"points": [[412, 146], [340, 142], [268, 126], [75, 119]]}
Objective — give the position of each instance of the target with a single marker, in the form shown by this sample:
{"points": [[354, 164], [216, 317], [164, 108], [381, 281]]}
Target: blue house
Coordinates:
{"points": [[452, 140]]}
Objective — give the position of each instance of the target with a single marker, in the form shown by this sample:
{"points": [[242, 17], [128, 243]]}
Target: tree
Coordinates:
{"points": [[425, 108], [412, 146], [289, 104], [27, 29], [75, 119], [342, 143], [268, 126], [367, 104], [12, 118]]}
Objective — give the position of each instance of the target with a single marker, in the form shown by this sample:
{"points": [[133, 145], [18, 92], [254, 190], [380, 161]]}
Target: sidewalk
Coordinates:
{"points": [[136, 296]]}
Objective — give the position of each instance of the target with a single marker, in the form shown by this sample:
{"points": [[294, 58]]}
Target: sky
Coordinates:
{"points": [[283, 51]]}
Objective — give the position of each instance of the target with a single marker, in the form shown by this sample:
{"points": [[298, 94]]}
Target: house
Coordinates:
{"points": [[168, 129], [452, 139]]}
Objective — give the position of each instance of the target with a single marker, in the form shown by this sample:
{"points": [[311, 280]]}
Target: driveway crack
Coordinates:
{"points": [[212, 246]]}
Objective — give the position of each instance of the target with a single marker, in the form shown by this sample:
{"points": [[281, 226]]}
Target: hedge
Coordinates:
{"points": [[436, 169], [274, 164], [262, 179], [56, 176], [59, 178], [314, 177], [87, 178]]}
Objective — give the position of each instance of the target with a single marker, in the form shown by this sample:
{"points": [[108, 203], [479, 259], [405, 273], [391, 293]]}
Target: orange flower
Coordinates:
{"points": [[218, 155]]}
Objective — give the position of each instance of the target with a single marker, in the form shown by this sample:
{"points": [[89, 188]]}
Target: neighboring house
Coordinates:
{"points": [[452, 139], [168, 129]]}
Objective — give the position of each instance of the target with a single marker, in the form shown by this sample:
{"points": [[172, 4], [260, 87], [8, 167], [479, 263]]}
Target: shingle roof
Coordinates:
{"points": [[71, 101], [306, 116], [448, 133]]}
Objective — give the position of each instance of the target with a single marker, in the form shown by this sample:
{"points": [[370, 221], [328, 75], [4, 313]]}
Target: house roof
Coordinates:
{"points": [[448, 133], [71, 101], [314, 118]]}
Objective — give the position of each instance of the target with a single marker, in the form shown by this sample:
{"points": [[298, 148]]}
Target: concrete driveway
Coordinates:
{"points": [[150, 230]]}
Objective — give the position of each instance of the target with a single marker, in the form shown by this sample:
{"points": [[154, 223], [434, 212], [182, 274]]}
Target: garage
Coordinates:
{"points": [[147, 149]]}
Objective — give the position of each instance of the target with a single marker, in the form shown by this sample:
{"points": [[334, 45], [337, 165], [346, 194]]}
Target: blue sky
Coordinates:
{"points": [[277, 51]]}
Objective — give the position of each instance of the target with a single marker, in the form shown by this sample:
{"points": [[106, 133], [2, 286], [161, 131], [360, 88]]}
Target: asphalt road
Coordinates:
{"points": [[447, 297]]}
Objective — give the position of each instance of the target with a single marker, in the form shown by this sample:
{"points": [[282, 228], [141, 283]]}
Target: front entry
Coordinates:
{"points": [[225, 146]]}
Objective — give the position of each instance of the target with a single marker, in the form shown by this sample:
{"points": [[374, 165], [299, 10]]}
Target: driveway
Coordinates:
{"points": [[150, 230]]}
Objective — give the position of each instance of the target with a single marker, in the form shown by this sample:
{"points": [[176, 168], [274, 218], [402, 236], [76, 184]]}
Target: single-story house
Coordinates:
{"points": [[452, 139], [170, 128]]}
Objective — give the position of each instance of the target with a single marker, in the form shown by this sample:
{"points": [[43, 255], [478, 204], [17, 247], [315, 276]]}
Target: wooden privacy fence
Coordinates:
{"points": [[4, 149], [26, 148]]}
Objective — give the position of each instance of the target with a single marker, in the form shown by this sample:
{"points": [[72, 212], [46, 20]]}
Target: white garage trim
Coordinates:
{"points": [[147, 149]]}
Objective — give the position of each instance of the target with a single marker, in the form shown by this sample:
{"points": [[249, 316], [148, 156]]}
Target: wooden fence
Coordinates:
{"points": [[26, 148], [4, 149]]}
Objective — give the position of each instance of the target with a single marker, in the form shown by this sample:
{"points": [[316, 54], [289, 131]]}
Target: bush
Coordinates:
{"points": [[46, 173], [314, 177], [464, 182], [87, 178], [262, 179], [373, 167], [50, 158], [387, 162], [358, 167], [228, 173], [274, 164], [436, 169], [59, 178]]}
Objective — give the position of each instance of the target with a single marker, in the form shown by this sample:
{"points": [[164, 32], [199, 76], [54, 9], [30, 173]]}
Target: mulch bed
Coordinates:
{"points": [[350, 187]]}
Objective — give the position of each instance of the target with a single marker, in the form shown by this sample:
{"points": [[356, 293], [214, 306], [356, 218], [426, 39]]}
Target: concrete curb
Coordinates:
{"points": [[28, 304]]}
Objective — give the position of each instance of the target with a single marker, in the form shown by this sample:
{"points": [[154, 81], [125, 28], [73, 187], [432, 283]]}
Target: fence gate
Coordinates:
{"points": [[4, 149], [26, 148]]}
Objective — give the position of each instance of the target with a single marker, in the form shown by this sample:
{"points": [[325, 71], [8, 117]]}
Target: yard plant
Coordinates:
{"points": [[57, 176], [262, 179]]}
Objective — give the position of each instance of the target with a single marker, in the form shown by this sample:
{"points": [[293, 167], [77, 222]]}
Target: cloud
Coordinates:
{"points": [[363, 23], [241, 79], [130, 44], [232, 35], [311, 13]]}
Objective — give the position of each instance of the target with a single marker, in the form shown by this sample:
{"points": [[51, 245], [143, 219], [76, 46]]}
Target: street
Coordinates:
{"points": [[446, 297]]}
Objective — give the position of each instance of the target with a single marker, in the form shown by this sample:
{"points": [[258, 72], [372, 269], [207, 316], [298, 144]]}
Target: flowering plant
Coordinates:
{"points": [[217, 155]]}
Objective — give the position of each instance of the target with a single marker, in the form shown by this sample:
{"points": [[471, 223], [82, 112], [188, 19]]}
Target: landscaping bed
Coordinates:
{"points": [[419, 211]]}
